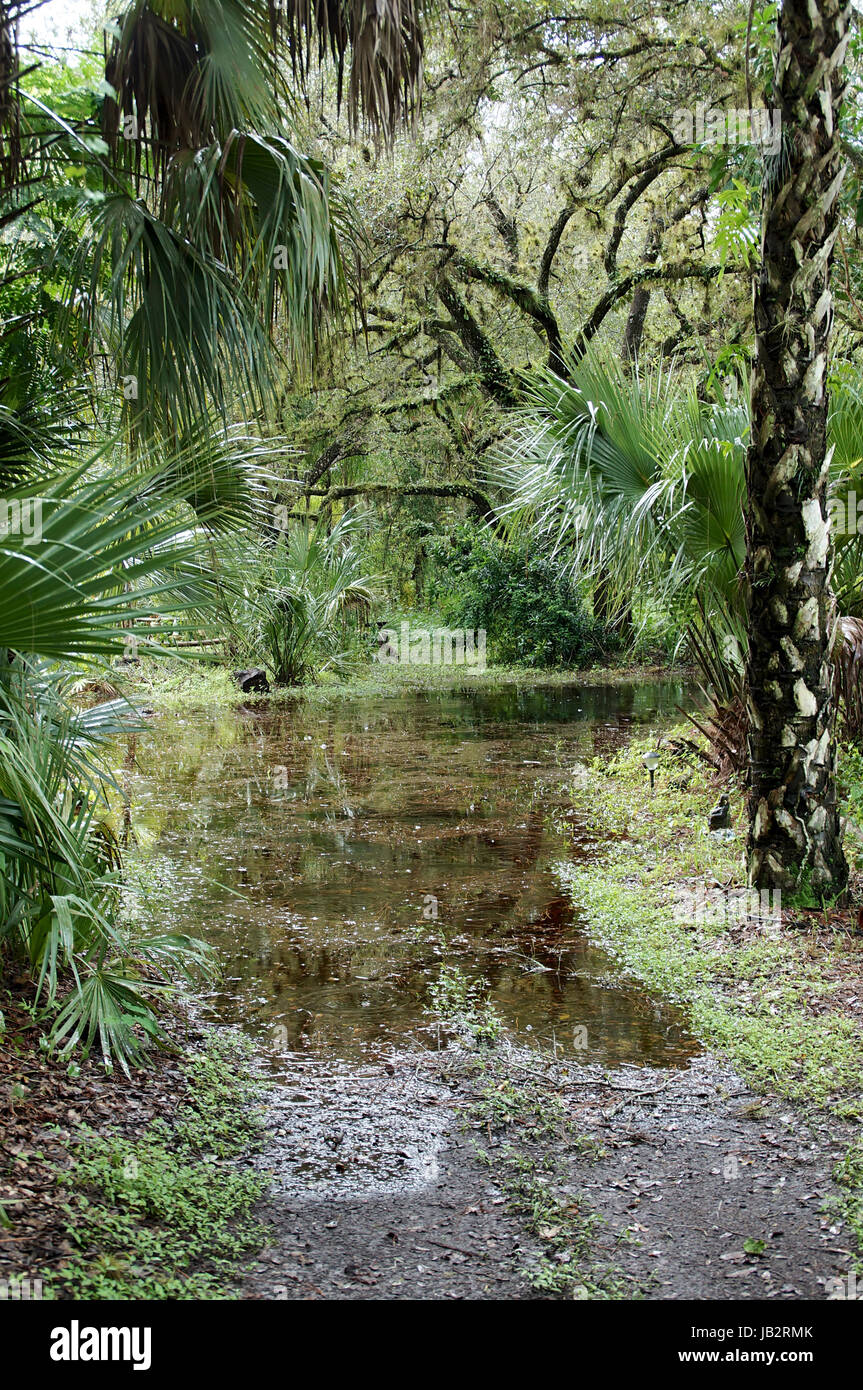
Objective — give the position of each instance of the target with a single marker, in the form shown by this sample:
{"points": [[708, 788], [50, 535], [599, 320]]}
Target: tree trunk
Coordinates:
{"points": [[634, 330], [794, 834]]}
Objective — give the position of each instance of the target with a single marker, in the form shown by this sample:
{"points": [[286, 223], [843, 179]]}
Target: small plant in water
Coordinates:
{"points": [[458, 1003]]}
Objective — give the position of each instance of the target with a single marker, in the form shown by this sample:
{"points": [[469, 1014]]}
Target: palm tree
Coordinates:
{"points": [[299, 594], [195, 241], [632, 481], [637, 484], [211, 229], [794, 836], [115, 559]]}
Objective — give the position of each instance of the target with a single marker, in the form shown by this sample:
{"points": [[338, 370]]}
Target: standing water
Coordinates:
{"points": [[337, 855]]}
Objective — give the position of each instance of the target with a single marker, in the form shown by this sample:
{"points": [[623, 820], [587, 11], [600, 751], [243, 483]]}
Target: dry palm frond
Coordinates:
{"points": [[151, 66], [724, 727], [185, 75], [724, 722], [848, 673], [8, 102], [716, 641], [384, 41]]}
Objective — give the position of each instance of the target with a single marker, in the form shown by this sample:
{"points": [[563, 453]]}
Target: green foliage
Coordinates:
{"points": [[167, 1216], [302, 595], [532, 611], [737, 230], [771, 1003], [851, 778], [182, 236], [848, 1173], [632, 479], [60, 901], [115, 561], [460, 1005], [636, 483], [530, 1112]]}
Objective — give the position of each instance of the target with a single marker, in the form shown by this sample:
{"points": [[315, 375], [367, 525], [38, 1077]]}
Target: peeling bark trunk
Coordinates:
{"points": [[794, 833]]}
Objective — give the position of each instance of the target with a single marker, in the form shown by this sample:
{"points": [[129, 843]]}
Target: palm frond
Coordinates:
{"points": [[185, 72], [381, 39]]}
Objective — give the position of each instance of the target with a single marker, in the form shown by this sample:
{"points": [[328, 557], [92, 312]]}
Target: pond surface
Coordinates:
{"points": [[337, 855]]}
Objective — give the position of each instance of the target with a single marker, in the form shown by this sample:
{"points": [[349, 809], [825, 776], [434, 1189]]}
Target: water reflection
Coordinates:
{"points": [[337, 854]]}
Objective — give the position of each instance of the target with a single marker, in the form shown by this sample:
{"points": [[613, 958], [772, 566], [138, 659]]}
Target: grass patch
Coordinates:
{"points": [[168, 1215], [180, 684], [530, 1170], [565, 1226], [849, 1203], [772, 1002], [461, 1007], [175, 684]]}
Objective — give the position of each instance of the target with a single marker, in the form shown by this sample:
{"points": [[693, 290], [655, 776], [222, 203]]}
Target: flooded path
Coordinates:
{"points": [[339, 857], [336, 856]]}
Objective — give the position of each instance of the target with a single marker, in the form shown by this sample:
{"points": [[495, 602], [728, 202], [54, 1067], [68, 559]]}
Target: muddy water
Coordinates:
{"points": [[337, 855]]}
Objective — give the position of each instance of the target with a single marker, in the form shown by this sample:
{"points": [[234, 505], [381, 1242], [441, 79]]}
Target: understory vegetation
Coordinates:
{"points": [[168, 1214], [516, 1101], [770, 986], [532, 610], [357, 350]]}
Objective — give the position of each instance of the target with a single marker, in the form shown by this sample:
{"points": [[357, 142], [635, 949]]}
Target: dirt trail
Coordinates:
{"points": [[378, 1192]]}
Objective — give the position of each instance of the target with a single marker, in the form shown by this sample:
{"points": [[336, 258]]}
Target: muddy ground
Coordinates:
{"points": [[378, 1193], [393, 1180]]}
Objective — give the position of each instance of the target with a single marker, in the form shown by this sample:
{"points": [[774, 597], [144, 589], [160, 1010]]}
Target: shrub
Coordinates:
{"points": [[532, 611]]}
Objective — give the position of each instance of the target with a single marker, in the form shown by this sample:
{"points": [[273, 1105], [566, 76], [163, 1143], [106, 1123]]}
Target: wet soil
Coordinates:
{"points": [[378, 1192]]}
